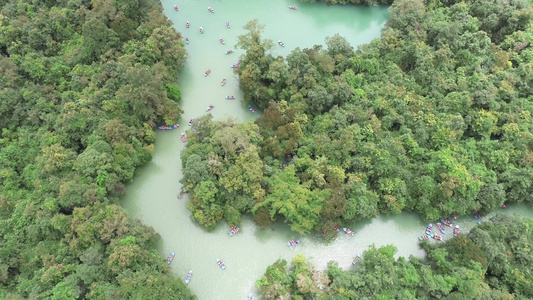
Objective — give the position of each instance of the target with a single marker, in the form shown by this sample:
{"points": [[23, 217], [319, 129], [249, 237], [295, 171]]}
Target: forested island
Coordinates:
{"points": [[433, 117]]}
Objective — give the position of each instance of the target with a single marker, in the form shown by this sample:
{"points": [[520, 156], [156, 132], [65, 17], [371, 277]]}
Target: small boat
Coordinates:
{"points": [[251, 109], [210, 9], [191, 121], [233, 230], [447, 223], [348, 231], [170, 258], [456, 230], [441, 228], [183, 137], [210, 107], [188, 278], [187, 24], [293, 243], [223, 82], [230, 97], [201, 30], [293, 7], [176, 8], [221, 264], [222, 41], [438, 237], [281, 43], [169, 127], [235, 66], [186, 40], [207, 72], [357, 259], [229, 52], [228, 24]]}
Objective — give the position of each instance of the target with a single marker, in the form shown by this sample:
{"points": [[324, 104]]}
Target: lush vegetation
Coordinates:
{"points": [[82, 85], [433, 117], [493, 262]]}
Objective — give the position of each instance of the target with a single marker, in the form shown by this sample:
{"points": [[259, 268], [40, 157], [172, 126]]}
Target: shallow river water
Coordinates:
{"points": [[152, 197]]}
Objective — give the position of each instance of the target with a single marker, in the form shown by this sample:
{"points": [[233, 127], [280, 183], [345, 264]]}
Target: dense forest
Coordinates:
{"points": [[490, 263], [82, 85], [433, 117]]}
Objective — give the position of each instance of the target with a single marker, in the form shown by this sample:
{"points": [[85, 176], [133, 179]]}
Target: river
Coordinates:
{"points": [[152, 197]]}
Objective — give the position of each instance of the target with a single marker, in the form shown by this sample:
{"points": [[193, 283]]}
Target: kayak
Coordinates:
{"points": [[188, 278], [210, 107], [170, 258], [201, 30], [229, 52], [223, 82], [169, 127], [281, 43], [186, 40], [441, 228], [221, 264], [357, 259], [228, 24], [222, 41], [456, 230], [348, 231], [210, 9], [187, 24], [293, 243], [251, 109], [230, 97], [191, 121], [293, 7], [207, 72], [183, 137]]}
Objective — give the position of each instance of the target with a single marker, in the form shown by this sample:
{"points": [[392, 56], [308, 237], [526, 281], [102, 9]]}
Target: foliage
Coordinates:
{"points": [[83, 84]]}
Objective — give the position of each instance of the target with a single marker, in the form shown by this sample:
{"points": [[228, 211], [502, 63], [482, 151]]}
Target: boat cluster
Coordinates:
{"points": [[233, 230], [440, 225]]}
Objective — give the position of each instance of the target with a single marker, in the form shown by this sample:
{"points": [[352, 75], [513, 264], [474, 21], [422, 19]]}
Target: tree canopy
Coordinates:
{"points": [[82, 85]]}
